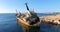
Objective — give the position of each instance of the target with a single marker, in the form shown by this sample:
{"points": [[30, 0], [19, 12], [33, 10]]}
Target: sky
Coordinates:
{"points": [[39, 6]]}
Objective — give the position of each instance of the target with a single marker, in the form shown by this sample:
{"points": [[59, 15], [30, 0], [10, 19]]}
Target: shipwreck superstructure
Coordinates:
{"points": [[28, 19]]}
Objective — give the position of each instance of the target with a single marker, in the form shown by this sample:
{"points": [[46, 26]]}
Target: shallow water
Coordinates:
{"points": [[8, 24]]}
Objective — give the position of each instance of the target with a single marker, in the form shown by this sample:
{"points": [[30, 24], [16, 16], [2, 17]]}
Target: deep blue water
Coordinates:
{"points": [[8, 24]]}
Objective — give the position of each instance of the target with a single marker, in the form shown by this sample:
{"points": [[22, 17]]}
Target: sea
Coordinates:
{"points": [[8, 23]]}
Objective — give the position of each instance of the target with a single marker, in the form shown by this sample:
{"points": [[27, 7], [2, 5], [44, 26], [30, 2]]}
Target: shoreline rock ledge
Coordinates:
{"points": [[54, 19]]}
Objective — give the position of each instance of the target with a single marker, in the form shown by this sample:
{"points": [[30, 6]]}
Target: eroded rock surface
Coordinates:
{"points": [[55, 19]]}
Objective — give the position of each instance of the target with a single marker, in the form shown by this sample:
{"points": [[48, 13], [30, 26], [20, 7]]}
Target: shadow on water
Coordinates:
{"points": [[31, 29]]}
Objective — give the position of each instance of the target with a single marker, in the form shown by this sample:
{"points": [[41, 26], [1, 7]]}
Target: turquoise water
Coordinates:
{"points": [[8, 24]]}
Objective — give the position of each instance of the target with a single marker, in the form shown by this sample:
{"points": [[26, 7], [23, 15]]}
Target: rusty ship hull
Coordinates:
{"points": [[29, 19], [26, 23], [27, 27]]}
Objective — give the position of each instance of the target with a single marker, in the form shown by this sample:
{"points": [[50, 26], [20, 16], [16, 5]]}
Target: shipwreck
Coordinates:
{"points": [[29, 19]]}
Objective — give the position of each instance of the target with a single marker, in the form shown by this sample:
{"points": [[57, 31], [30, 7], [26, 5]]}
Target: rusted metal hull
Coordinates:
{"points": [[25, 23], [26, 26]]}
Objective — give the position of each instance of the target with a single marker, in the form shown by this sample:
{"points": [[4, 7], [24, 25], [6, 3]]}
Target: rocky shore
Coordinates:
{"points": [[54, 19]]}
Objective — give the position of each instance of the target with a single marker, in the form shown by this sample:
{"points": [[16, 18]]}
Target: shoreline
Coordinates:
{"points": [[54, 19]]}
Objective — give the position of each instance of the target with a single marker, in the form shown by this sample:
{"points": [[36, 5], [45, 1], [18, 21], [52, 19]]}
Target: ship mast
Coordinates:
{"points": [[28, 9], [27, 6]]}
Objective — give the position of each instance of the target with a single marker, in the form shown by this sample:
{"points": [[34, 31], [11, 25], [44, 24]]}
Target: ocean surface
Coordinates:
{"points": [[8, 23]]}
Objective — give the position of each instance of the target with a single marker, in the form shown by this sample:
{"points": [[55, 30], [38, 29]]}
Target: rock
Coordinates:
{"points": [[55, 19]]}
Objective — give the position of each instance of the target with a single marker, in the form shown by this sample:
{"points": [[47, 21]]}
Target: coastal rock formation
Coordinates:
{"points": [[54, 19]]}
